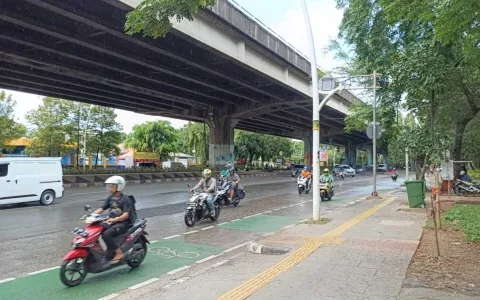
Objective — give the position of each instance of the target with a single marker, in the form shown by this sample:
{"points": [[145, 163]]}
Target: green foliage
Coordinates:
{"points": [[105, 131], [152, 17], [156, 136], [52, 127], [196, 139], [9, 129], [474, 174], [468, 219], [298, 152], [133, 170], [254, 146]]}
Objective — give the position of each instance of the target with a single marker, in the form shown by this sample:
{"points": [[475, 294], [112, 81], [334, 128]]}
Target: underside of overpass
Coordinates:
{"points": [[77, 50]]}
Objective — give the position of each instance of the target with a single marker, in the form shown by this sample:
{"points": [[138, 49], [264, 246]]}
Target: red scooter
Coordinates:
{"points": [[88, 254]]}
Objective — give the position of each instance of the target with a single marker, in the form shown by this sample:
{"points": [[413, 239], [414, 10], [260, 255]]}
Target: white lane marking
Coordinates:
{"points": [[289, 226], [208, 258], [218, 264], [137, 286], [353, 202], [305, 220], [183, 279], [235, 220], [223, 223], [247, 217], [178, 270], [190, 232], [109, 297], [257, 214], [153, 242], [236, 247], [283, 207], [209, 227], [267, 212], [171, 237], [291, 205], [269, 234], [44, 270], [6, 280], [277, 209], [90, 193]]}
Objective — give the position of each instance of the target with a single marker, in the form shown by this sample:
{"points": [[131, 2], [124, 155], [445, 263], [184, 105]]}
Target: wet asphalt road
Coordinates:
{"points": [[35, 237]]}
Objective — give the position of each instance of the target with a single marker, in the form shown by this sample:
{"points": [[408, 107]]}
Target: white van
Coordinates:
{"points": [[27, 179]]}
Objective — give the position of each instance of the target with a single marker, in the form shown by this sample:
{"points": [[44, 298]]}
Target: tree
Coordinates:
{"points": [[105, 131], [196, 139], [9, 129], [248, 145], [156, 136], [297, 152], [152, 17], [439, 81], [52, 127]]}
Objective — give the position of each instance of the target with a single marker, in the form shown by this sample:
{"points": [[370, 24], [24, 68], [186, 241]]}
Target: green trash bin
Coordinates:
{"points": [[416, 193]]}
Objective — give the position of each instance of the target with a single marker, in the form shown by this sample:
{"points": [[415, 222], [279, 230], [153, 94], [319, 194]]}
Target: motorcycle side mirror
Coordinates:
{"points": [[189, 185], [87, 207]]}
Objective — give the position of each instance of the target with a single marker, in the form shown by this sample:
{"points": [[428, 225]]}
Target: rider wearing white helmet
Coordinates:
{"points": [[120, 216], [208, 184]]}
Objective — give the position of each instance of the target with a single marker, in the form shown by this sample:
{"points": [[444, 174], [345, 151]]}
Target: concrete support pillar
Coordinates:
{"points": [[351, 154], [307, 148], [370, 154], [221, 139]]}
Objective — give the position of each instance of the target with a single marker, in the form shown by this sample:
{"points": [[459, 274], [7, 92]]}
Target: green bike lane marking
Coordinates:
{"points": [[163, 257], [261, 223]]}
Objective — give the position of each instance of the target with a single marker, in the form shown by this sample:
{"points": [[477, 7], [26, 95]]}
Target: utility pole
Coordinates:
{"points": [[374, 192]]}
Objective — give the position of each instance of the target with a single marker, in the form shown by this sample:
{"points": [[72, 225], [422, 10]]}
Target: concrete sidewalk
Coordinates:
{"points": [[363, 253]]}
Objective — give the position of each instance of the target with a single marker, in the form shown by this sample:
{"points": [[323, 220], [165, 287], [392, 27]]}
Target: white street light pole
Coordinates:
{"points": [[85, 142], [374, 193], [315, 116]]}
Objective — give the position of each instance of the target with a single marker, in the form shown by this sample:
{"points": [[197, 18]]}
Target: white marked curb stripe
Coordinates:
{"points": [[109, 297], [235, 220], [209, 227], [6, 280], [223, 223], [303, 221], [44, 270], [289, 226], [236, 247], [178, 270], [137, 286], [190, 232], [208, 258], [171, 237]]}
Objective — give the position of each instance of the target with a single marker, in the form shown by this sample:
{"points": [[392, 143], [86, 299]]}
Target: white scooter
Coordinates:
{"points": [[303, 186]]}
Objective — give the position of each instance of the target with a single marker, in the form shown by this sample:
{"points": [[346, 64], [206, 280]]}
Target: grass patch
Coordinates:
{"points": [[467, 219], [321, 221]]}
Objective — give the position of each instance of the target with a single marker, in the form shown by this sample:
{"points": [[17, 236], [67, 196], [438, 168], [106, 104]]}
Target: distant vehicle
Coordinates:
{"points": [[28, 179], [359, 169], [296, 169], [348, 171], [382, 167]]}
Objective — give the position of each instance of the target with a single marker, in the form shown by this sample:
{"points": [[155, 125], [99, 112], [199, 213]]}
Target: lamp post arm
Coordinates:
{"points": [[328, 96]]}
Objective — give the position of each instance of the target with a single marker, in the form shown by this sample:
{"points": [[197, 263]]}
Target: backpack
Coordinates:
{"points": [[133, 217]]}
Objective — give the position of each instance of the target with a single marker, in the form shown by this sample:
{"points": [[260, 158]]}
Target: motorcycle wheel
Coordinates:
{"points": [[217, 212], [138, 254], [307, 191], [235, 203], [458, 191], [300, 190], [190, 218], [322, 196], [66, 270]]}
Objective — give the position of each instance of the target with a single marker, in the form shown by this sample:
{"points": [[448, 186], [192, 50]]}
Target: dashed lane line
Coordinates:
{"points": [[142, 284]]}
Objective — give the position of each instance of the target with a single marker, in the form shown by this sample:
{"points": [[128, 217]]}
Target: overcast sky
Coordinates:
{"points": [[282, 16]]}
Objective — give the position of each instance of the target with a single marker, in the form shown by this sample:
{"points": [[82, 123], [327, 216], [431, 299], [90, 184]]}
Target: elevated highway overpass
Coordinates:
{"points": [[223, 68]]}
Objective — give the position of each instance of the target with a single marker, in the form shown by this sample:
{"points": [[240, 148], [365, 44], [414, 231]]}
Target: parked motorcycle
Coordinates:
{"points": [[197, 208], [303, 186], [224, 191], [89, 249], [465, 188], [325, 192]]}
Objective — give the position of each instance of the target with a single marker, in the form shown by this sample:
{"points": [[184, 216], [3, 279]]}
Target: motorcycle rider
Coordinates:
{"points": [[306, 173], [465, 177], [209, 186], [121, 207], [328, 178], [233, 179]]}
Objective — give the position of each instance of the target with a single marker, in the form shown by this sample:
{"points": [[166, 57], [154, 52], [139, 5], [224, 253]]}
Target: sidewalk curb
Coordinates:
{"points": [[168, 180]]}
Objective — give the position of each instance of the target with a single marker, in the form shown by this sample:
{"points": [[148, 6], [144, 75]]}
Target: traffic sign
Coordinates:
{"points": [[378, 130]]}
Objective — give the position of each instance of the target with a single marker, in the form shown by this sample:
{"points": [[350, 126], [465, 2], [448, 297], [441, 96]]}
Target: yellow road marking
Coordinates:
{"points": [[254, 284]]}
